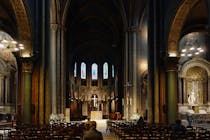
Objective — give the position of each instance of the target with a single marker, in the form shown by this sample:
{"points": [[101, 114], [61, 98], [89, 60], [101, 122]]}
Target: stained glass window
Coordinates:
{"points": [[112, 71], [83, 70], [94, 71], [105, 70], [75, 69]]}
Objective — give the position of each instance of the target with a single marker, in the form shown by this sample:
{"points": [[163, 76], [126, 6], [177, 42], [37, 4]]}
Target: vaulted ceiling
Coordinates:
{"points": [[95, 25], [7, 18]]}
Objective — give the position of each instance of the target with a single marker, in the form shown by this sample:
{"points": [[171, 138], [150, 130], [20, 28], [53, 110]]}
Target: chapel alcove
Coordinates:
{"points": [[193, 74], [8, 77], [194, 87]]}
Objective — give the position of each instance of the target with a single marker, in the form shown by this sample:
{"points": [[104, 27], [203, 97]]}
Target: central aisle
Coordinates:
{"points": [[102, 127]]}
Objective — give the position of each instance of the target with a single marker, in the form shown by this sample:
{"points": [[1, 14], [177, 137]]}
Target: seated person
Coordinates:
{"points": [[92, 133], [178, 127], [87, 124], [141, 121]]}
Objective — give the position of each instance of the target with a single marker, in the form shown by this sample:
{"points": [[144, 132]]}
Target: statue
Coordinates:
{"points": [[192, 98]]}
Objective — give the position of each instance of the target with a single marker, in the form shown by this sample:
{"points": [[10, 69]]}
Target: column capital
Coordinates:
{"points": [[55, 26], [2, 76], [172, 63], [133, 29], [27, 65]]}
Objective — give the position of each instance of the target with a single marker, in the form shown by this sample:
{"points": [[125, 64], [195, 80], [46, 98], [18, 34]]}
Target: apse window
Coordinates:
{"points": [[105, 74], [83, 74], [112, 71], [75, 69], [94, 74]]}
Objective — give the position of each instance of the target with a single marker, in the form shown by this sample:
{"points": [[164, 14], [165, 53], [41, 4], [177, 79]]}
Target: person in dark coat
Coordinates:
{"points": [[92, 133], [178, 127], [141, 121]]}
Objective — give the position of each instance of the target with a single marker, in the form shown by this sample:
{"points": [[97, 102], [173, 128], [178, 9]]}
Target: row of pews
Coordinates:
{"points": [[133, 131], [62, 131]]}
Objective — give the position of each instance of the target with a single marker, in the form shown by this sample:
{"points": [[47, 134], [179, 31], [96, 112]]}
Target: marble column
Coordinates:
{"points": [[1, 89], [27, 89], [7, 90], [185, 91], [171, 90], [52, 67]]}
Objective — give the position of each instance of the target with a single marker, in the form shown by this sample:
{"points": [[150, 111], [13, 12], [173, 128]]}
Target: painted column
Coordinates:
{"points": [[208, 90], [180, 90], [154, 49], [171, 90], [1, 89], [52, 67], [7, 90], [26, 89]]}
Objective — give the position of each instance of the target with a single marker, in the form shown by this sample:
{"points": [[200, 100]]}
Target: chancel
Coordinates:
{"points": [[67, 62]]}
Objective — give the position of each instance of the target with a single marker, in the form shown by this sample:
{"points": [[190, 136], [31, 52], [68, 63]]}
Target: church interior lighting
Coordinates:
{"points": [[193, 44], [8, 44]]}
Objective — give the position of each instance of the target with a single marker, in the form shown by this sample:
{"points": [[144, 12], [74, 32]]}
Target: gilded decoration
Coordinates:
{"points": [[196, 77], [27, 66], [86, 93]]}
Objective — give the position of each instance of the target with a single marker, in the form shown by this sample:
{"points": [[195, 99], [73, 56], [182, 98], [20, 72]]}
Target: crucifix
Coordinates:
{"points": [[94, 98]]}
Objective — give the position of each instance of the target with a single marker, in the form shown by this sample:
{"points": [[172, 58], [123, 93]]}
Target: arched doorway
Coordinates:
{"points": [[8, 78], [193, 86]]}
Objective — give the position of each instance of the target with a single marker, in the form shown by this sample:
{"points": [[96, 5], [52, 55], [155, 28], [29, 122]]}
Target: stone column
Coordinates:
{"points": [[1, 89], [126, 71], [63, 68], [52, 67], [171, 90], [27, 89], [134, 76], [131, 72]]}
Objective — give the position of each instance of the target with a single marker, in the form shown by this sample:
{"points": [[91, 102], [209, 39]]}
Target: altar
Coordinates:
{"points": [[96, 115]]}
